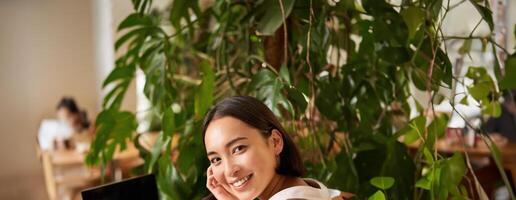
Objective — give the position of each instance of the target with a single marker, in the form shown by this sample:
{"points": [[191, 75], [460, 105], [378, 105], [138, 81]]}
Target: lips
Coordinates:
{"points": [[240, 183]]}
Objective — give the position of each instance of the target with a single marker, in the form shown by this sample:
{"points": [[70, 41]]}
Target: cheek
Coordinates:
{"points": [[218, 174], [262, 161]]}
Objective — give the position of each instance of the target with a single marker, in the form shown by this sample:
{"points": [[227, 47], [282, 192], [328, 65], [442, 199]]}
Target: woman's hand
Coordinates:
{"points": [[216, 188]]}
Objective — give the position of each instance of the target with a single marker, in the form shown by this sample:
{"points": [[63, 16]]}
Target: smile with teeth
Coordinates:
{"points": [[241, 181]]}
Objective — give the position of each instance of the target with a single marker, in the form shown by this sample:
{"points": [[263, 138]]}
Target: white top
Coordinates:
{"points": [[52, 129], [307, 192]]}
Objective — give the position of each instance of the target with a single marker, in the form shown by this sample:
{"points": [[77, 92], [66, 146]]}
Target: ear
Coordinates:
{"points": [[276, 140]]}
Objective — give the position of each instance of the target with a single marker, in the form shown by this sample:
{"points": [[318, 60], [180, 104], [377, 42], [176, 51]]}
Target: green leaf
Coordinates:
{"points": [[135, 19], [479, 91], [436, 130], [136, 4], [180, 10], [271, 95], [492, 109], [204, 97], [509, 80], [285, 74], [161, 142], [113, 129], [383, 183], [169, 179], [120, 73], [464, 100], [264, 76], [168, 122], [486, 14], [140, 33], [423, 183], [466, 47], [419, 78], [273, 18], [429, 158], [394, 55], [413, 17], [377, 196], [414, 130], [483, 84], [453, 170], [298, 98]]}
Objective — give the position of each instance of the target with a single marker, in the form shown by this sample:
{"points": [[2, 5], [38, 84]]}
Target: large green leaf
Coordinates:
{"points": [[383, 183], [273, 17], [453, 171], [486, 14], [204, 96], [298, 98], [377, 196], [284, 73], [162, 142], [492, 109], [180, 10], [509, 80], [120, 73], [135, 19], [113, 129], [413, 131], [169, 180], [413, 17], [484, 91], [436, 130]]}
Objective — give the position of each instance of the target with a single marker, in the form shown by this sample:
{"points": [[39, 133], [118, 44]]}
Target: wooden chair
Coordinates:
{"points": [[65, 185]]}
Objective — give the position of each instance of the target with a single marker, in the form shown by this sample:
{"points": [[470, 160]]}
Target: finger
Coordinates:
{"points": [[210, 181], [210, 171]]}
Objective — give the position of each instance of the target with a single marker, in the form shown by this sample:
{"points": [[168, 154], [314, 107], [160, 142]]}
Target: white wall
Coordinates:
{"points": [[46, 52]]}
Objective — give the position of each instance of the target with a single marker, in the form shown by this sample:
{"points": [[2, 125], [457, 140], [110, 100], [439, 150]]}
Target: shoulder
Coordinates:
{"points": [[313, 190], [334, 193]]}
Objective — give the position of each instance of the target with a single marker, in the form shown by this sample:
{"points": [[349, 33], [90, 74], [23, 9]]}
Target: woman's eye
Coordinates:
{"points": [[239, 149], [215, 161]]}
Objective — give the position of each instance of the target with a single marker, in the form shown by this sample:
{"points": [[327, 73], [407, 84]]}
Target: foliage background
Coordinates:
{"points": [[338, 74]]}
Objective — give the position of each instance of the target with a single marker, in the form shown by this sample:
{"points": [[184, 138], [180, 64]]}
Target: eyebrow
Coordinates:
{"points": [[229, 144]]}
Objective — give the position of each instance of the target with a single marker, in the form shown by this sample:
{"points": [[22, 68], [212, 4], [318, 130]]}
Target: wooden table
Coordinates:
{"points": [[507, 151], [72, 157]]}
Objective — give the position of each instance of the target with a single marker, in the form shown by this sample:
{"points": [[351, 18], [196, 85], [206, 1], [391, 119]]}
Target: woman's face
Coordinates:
{"points": [[65, 115], [242, 160]]}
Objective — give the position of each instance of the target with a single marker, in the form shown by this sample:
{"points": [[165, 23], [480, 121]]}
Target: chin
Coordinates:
{"points": [[246, 189]]}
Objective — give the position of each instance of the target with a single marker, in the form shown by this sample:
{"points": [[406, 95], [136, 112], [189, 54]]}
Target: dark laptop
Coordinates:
{"points": [[138, 188]]}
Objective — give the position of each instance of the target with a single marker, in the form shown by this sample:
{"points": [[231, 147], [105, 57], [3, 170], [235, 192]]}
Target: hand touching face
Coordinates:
{"points": [[216, 188]]}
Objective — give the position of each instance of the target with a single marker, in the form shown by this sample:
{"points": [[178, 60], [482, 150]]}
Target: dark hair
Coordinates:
{"points": [[256, 114], [69, 104]]}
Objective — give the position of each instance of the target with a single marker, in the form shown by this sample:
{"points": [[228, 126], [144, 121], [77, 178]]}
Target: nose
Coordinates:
{"points": [[232, 169]]}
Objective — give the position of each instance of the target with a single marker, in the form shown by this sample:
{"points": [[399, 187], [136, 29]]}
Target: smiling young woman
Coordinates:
{"points": [[252, 156]]}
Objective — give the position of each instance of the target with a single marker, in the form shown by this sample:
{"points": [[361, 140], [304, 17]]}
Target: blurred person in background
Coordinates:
{"points": [[78, 122], [70, 130]]}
